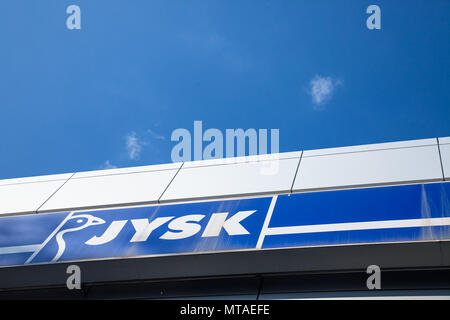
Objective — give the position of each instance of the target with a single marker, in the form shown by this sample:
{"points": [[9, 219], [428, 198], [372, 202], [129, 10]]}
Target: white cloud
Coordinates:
{"points": [[155, 135], [321, 89], [134, 146], [107, 165]]}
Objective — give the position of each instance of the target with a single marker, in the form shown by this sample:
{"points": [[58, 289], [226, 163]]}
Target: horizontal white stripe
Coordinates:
{"points": [[19, 249], [387, 224]]}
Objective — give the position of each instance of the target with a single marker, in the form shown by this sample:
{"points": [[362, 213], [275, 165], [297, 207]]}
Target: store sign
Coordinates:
{"points": [[387, 214]]}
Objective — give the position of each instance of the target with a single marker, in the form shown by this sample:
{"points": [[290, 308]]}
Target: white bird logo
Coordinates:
{"points": [[82, 221], [88, 220]]}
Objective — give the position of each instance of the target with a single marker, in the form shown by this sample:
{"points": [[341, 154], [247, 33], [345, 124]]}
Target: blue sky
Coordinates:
{"points": [[111, 93]]}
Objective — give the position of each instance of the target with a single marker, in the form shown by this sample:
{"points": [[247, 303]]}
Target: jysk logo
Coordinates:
{"points": [[139, 231]]}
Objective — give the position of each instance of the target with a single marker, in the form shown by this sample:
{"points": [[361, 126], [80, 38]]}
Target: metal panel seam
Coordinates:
{"points": [[296, 171], [440, 159], [37, 210], [167, 187]]}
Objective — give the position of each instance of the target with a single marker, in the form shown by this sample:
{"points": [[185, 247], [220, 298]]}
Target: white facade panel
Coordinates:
{"points": [[110, 190], [445, 156], [54, 177], [445, 140], [158, 167], [26, 197], [236, 160], [371, 147], [369, 167], [274, 176]]}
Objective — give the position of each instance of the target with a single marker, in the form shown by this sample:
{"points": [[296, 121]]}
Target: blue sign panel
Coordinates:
{"points": [[385, 214], [129, 232]]}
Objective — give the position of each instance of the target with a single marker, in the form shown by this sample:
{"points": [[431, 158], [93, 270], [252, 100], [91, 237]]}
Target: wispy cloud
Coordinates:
{"points": [[107, 165], [155, 135], [136, 142], [133, 145], [321, 89]]}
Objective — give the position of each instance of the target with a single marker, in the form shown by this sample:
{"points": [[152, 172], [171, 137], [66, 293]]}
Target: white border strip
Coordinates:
{"points": [[387, 224], [265, 226], [19, 249]]}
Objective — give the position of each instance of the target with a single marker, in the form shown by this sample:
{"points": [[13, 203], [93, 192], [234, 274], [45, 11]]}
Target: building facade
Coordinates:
{"points": [[296, 225]]}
